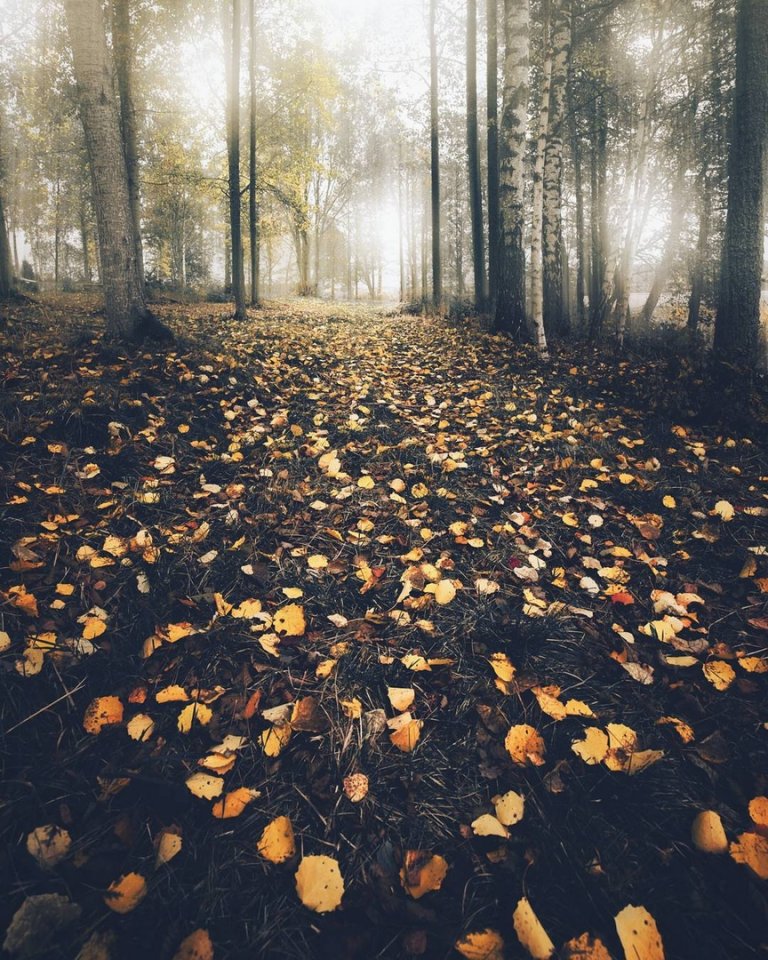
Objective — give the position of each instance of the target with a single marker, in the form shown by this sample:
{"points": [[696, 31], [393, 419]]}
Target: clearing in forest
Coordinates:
{"points": [[386, 591]]}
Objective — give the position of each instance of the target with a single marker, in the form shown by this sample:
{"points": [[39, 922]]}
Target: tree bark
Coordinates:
{"points": [[555, 318], [599, 279], [126, 310], [738, 313], [492, 16], [122, 44], [537, 277], [253, 204], [473, 157], [6, 268], [510, 305], [233, 154], [437, 276]]}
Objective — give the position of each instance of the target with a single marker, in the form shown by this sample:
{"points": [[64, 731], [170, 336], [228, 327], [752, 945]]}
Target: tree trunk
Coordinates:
{"points": [[437, 277], [122, 45], [126, 309], [510, 304], [473, 156], [233, 154], [599, 280], [581, 242], [700, 263], [6, 268], [253, 206], [493, 150], [537, 278], [555, 318], [738, 313]]}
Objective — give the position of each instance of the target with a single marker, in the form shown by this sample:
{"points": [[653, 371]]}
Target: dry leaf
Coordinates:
{"points": [[356, 787], [639, 934], [205, 786], [126, 894], [719, 673], [233, 804], [510, 808], [422, 872], [197, 946], [289, 621], [708, 833], [401, 698], [140, 727], [319, 884], [194, 713], [277, 843], [169, 844], [489, 826], [585, 947], [751, 849], [484, 945], [593, 748], [531, 933], [102, 712], [274, 739], [525, 746], [49, 845]]}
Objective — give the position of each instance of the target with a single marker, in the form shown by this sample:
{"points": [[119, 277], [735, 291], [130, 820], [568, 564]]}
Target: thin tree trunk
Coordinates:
{"points": [[400, 220], [122, 43], [126, 310], [581, 243], [600, 282], [6, 268], [537, 276], [699, 266], [233, 153], [738, 313], [555, 318], [437, 277], [492, 16], [473, 156], [510, 305], [253, 206]]}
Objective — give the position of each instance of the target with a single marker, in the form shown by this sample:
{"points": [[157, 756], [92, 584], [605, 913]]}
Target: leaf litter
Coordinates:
{"points": [[371, 627]]}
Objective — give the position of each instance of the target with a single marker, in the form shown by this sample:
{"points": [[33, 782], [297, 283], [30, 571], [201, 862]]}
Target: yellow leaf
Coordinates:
{"points": [[719, 673], [549, 703], [191, 713], [102, 712], [669, 502], [639, 934], [126, 894], [502, 666], [197, 946], [49, 845], [289, 621], [577, 708], [353, 709], [274, 739], [317, 562], [751, 849], [444, 591], [525, 746], [531, 933], [205, 786], [585, 947], [484, 945], [319, 884], [593, 748], [366, 483], [419, 490], [247, 610], [510, 808], [407, 736], [140, 727], [169, 845], [277, 843], [233, 804], [724, 510], [708, 833], [401, 698], [422, 873], [489, 826]]}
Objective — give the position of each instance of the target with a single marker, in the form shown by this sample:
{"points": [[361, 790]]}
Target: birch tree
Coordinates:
{"points": [[126, 309], [473, 156], [537, 278], [555, 319], [233, 156], [437, 275], [492, 15], [510, 305]]}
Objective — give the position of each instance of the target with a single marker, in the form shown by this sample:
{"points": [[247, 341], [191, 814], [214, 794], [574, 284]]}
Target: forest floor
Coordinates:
{"points": [[331, 543]]}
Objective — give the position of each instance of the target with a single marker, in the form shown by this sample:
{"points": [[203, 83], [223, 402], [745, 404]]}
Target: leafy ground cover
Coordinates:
{"points": [[347, 634]]}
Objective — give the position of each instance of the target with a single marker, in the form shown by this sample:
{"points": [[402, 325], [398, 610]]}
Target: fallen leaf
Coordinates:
{"points": [[639, 934], [49, 845], [277, 843], [197, 946], [531, 933], [484, 945], [525, 746], [319, 884], [125, 894], [102, 712], [422, 872]]}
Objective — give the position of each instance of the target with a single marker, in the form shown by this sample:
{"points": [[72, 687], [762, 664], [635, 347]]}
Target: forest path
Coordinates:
{"points": [[302, 523]]}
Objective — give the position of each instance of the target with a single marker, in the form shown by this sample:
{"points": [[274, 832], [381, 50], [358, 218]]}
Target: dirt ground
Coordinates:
{"points": [[365, 543]]}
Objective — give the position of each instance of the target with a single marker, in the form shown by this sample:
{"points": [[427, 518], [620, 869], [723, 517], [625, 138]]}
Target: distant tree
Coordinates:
{"points": [[738, 312], [473, 155], [6, 263], [437, 275], [492, 17], [253, 204], [126, 309], [233, 157], [537, 216], [510, 304]]}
